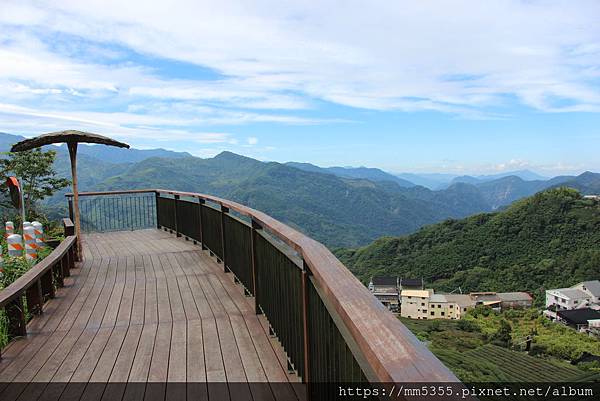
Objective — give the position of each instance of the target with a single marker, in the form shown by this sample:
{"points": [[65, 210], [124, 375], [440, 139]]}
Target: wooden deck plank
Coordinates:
{"points": [[162, 291], [114, 301], [151, 292], [177, 309], [17, 358], [126, 306]]}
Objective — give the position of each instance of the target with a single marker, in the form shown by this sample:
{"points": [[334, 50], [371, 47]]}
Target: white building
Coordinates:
{"points": [[583, 295]]}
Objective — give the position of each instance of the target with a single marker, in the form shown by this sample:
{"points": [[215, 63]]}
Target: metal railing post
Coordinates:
{"points": [[253, 234], [176, 202], [70, 202], [200, 207], [224, 210], [305, 317], [156, 196]]}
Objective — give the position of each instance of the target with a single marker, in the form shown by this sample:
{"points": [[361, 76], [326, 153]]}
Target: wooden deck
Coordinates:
{"points": [[146, 307]]}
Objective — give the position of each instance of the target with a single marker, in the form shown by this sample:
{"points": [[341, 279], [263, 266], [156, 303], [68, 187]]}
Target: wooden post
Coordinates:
{"points": [[224, 210], [253, 234], [305, 318], [176, 202], [67, 264], [35, 300], [48, 284], [17, 326], [73, 156]]}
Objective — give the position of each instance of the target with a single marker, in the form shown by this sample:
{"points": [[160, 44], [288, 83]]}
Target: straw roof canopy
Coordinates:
{"points": [[69, 136]]}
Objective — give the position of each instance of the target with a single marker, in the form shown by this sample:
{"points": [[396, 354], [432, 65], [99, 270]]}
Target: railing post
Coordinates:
{"points": [[34, 298], [200, 207], [255, 226], [60, 282], [156, 196], [70, 202], [305, 320], [17, 326], [176, 202], [48, 284], [224, 210], [66, 267]]}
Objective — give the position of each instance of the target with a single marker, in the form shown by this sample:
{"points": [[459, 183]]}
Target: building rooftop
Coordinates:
{"points": [[411, 282], [417, 293], [572, 293], [514, 296], [462, 300], [579, 316], [438, 298], [485, 297], [385, 280], [592, 286]]}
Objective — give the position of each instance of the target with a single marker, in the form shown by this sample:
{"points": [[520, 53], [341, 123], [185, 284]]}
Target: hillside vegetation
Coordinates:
{"points": [[470, 348], [546, 241]]}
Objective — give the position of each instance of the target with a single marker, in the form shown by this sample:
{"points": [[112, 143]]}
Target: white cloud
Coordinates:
{"points": [[461, 57], [252, 140]]}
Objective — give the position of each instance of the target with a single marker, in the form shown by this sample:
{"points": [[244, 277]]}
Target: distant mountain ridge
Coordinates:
{"points": [[367, 173], [339, 207]]}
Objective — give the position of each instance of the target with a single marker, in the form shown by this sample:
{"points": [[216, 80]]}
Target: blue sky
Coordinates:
{"points": [[459, 86]]}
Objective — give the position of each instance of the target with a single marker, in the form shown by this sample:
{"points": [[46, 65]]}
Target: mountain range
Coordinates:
{"points": [[339, 206]]}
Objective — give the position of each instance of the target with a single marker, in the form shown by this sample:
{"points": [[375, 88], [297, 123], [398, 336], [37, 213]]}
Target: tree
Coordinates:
{"points": [[35, 170], [503, 336]]}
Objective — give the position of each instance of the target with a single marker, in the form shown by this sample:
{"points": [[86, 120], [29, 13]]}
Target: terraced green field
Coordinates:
{"points": [[492, 363]]}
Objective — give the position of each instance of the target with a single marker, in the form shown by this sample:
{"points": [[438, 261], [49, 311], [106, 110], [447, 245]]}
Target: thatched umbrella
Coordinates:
{"points": [[71, 138]]}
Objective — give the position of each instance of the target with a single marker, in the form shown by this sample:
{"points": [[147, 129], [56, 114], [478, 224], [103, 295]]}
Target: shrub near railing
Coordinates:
{"points": [[25, 286]]}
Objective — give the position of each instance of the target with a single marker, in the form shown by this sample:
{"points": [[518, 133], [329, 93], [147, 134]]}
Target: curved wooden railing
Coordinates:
{"points": [[30, 291], [331, 327]]}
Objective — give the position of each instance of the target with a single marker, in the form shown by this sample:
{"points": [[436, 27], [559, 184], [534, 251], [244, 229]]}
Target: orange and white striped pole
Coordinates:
{"points": [[9, 228], [30, 243], [15, 245], [39, 233]]}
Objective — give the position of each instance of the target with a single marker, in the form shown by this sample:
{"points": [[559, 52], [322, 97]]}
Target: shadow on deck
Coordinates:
{"points": [[147, 307]]}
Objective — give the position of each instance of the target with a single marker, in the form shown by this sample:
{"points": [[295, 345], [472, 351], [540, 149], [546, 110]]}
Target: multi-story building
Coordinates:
{"points": [[415, 303], [385, 289], [426, 304], [582, 295]]}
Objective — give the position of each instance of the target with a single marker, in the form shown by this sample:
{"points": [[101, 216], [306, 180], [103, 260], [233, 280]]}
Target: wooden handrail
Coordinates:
{"points": [[31, 276]]}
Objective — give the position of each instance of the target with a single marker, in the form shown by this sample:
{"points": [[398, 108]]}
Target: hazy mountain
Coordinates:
{"points": [[372, 174], [430, 180], [525, 175], [335, 210]]}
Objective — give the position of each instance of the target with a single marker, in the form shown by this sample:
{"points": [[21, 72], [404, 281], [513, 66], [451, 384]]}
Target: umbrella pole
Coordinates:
{"points": [[73, 156]]}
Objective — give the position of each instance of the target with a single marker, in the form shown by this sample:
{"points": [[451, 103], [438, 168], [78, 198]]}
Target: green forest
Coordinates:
{"points": [[548, 240]]}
